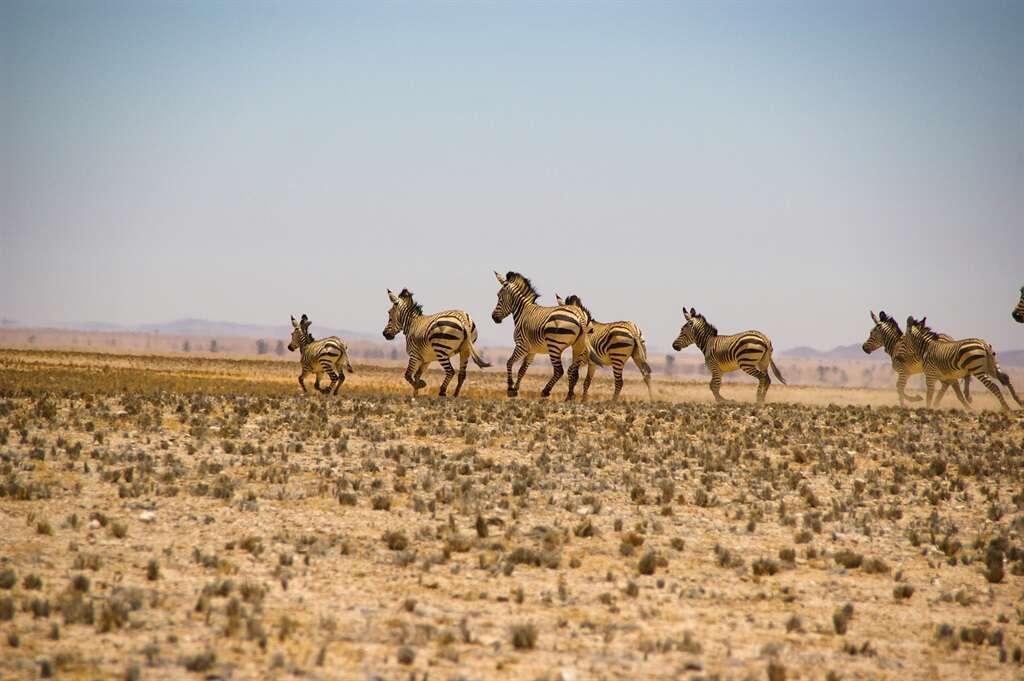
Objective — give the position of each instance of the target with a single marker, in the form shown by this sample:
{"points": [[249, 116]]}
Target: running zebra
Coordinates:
{"points": [[750, 351], [887, 334], [614, 343], [1018, 312], [429, 338], [324, 356], [948, 361], [541, 329]]}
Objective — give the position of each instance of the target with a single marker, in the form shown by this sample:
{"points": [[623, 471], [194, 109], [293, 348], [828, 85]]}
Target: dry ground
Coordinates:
{"points": [[184, 517]]}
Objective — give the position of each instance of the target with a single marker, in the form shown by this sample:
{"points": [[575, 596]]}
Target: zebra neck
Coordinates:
{"points": [[408, 322], [519, 306], [890, 341], [702, 338]]}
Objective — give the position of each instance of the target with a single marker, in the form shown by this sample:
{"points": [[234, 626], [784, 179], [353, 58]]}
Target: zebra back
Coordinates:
{"points": [[442, 333]]}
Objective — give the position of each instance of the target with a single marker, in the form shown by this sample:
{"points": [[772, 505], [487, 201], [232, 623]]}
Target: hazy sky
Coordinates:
{"points": [[780, 166]]}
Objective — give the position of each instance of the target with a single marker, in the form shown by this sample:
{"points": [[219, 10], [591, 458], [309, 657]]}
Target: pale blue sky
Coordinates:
{"points": [[781, 166]]}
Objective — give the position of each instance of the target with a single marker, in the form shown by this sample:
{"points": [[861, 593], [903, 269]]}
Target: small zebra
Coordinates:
{"points": [[614, 343], [541, 329], [887, 334], [429, 338], [1018, 312], [947, 361], [750, 351], [324, 356]]}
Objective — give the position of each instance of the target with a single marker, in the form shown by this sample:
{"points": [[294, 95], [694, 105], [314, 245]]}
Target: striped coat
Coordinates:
{"points": [[319, 357], [750, 351], [1018, 312], [945, 362], [430, 338], [886, 333], [540, 329], [614, 343]]}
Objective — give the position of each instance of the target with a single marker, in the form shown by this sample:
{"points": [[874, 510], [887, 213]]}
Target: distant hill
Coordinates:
{"points": [[847, 352], [841, 352], [206, 327]]}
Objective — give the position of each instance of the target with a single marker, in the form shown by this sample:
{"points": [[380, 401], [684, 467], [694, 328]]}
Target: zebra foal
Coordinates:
{"points": [[1018, 312], [614, 343], [947, 361], [324, 356], [750, 351], [430, 338]]}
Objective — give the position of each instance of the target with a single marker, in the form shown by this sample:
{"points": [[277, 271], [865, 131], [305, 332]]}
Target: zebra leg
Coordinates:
{"points": [[967, 388], [990, 384], [586, 381], [579, 356], [716, 383], [341, 379], [960, 395], [1005, 380], [522, 372], [617, 373], [763, 381], [558, 371], [328, 368], [412, 375], [302, 382], [518, 354], [929, 386], [645, 371], [464, 361], [901, 389], [446, 364], [942, 391]]}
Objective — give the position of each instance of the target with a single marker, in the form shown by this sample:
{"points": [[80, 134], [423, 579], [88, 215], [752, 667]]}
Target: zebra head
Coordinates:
{"points": [[1018, 312], [885, 333], [574, 301], [300, 333], [403, 309], [687, 335], [515, 292], [918, 335]]}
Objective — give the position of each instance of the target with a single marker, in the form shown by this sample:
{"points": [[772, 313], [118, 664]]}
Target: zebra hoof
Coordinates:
{"points": [[512, 392], [421, 384]]}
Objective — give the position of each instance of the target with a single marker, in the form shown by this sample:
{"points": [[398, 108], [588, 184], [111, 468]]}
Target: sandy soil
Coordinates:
{"points": [[183, 517]]}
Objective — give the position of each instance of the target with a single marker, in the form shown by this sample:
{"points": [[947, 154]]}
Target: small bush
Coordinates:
{"points": [[524, 636]]}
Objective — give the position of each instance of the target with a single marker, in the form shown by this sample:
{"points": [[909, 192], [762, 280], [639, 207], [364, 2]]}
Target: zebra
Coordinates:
{"points": [[429, 338], [614, 343], [541, 329], [324, 356], [750, 351], [947, 361], [886, 333], [1018, 312]]}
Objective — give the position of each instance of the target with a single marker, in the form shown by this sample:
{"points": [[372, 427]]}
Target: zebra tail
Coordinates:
{"points": [[476, 356], [640, 356], [777, 373], [591, 353], [1005, 380]]}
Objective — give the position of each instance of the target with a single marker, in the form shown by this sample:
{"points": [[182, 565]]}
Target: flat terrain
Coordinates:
{"points": [[198, 517]]}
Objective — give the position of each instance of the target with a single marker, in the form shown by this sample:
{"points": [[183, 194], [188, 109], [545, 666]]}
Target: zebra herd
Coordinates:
{"points": [[569, 324]]}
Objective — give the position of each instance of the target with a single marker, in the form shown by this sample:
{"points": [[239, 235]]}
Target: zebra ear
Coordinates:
{"points": [[294, 323], [873, 317], [392, 296], [693, 312], [501, 279], [686, 315], [559, 299]]}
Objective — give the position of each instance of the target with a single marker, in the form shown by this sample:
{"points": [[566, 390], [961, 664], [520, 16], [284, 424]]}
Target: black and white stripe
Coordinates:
{"points": [[614, 343], [1018, 312], [540, 329], [886, 333], [750, 351], [430, 338], [947, 361], [324, 356]]}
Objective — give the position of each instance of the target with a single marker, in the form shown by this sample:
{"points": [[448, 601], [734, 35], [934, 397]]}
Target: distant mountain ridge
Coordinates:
{"points": [[854, 351], [203, 327]]}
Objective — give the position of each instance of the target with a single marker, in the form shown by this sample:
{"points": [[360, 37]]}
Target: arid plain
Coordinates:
{"points": [[197, 517]]}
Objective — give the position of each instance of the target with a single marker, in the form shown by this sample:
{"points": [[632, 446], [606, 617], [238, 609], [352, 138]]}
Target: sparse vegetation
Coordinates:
{"points": [[221, 499]]}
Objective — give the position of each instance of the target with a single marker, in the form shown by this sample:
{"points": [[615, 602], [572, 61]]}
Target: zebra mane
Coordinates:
{"points": [[515, 276], [890, 321], [574, 299], [416, 307], [709, 325], [925, 330]]}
